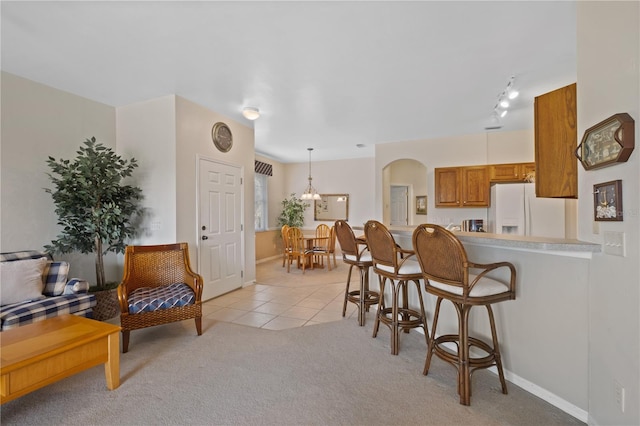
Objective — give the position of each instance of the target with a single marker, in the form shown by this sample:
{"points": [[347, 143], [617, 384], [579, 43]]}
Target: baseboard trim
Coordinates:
{"points": [[536, 390], [545, 395], [268, 259]]}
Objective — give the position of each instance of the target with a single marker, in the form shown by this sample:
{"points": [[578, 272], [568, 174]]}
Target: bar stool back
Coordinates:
{"points": [[448, 275], [397, 266]]}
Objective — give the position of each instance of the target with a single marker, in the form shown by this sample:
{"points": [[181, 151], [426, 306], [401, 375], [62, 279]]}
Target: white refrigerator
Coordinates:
{"points": [[516, 210]]}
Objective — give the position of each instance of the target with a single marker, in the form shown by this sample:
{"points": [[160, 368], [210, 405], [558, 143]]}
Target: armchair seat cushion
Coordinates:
{"points": [[150, 299]]}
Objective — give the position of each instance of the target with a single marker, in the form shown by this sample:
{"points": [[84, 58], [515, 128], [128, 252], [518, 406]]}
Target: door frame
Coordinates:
{"points": [[409, 189], [243, 259]]}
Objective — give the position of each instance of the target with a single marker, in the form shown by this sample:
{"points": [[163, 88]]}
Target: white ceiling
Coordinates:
{"points": [[328, 75]]}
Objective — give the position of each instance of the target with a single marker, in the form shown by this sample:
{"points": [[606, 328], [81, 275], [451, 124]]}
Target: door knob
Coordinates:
{"points": [[204, 237]]}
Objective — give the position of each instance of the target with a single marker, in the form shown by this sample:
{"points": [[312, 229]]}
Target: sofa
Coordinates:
{"points": [[34, 287]]}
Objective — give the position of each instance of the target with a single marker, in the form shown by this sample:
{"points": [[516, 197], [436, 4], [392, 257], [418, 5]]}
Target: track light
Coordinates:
{"points": [[500, 108]]}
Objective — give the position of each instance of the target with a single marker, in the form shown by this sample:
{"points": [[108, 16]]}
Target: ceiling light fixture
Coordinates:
{"points": [[310, 193], [251, 113], [500, 108]]}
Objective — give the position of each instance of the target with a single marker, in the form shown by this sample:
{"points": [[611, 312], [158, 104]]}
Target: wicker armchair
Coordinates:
{"points": [[158, 287]]}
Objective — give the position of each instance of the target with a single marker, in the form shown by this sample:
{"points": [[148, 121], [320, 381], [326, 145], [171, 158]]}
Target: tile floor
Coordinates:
{"points": [[281, 300]]}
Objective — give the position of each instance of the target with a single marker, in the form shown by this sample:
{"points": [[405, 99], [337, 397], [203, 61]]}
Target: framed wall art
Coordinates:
{"points": [[609, 142], [607, 201], [421, 204]]}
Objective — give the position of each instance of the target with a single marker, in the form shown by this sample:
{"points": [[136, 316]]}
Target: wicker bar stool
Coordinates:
{"points": [[447, 275], [158, 287], [397, 266], [353, 255]]}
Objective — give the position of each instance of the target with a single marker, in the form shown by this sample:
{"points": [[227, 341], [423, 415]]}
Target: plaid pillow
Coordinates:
{"points": [[55, 278]]}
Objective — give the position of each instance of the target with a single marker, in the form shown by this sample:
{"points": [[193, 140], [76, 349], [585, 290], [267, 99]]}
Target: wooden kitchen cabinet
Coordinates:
{"points": [[448, 186], [462, 186], [556, 140], [511, 172]]}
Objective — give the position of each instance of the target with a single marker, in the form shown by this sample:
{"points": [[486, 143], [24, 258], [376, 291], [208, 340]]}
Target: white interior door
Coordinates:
{"points": [[220, 229], [399, 205]]}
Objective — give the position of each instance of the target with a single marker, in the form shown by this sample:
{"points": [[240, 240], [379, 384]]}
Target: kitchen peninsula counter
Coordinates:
{"points": [[543, 333], [559, 246]]}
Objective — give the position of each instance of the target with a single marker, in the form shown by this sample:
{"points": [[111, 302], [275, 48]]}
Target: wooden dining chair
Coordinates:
{"points": [[285, 243], [298, 249], [321, 244]]}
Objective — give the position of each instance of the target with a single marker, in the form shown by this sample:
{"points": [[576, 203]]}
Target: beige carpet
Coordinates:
{"points": [[327, 374]]}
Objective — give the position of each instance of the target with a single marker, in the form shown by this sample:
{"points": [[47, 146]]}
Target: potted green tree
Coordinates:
{"points": [[292, 212], [95, 209]]}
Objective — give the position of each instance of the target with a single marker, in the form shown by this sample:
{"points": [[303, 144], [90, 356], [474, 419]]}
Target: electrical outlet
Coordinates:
{"points": [[619, 395]]}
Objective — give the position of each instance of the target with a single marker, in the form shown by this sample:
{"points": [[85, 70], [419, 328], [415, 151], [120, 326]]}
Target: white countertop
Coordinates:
{"points": [[517, 242]]}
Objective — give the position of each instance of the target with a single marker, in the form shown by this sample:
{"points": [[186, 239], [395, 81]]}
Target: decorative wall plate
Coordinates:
{"points": [[608, 142], [222, 137]]}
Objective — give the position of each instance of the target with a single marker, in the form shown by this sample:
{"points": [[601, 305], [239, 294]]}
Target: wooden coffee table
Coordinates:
{"points": [[38, 354]]}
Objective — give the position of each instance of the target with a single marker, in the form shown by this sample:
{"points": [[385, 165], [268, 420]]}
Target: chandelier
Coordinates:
{"points": [[310, 193]]}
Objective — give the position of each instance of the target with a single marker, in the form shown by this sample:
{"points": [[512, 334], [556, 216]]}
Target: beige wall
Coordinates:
{"points": [[172, 134], [39, 121], [609, 82], [353, 177], [463, 150], [268, 244], [147, 131]]}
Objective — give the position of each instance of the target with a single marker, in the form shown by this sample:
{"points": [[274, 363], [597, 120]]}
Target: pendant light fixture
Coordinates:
{"points": [[310, 193]]}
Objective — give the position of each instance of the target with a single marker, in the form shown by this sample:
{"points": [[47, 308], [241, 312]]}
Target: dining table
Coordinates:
{"points": [[311, 241]]}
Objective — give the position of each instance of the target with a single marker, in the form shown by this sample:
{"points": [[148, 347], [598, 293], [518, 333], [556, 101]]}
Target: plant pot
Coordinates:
{"points": [[107, 305]]}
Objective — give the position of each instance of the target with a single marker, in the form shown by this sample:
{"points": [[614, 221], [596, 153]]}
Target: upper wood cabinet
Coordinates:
{"points": [[556, 139], [447, 190], [462, 186], [512, 172]]}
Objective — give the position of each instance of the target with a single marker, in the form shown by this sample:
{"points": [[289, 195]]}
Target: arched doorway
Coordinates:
{"points": [[408, 173]]}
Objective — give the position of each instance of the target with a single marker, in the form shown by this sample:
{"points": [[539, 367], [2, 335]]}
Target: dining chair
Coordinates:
{"points": [[298, 249], [397, 266], [285, 243], [449, 275], [322, 243]]}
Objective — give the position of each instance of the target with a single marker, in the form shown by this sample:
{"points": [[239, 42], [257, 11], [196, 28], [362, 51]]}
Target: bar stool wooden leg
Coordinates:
{"points": [[496, 350], [381, 307], [394, 316], [431, 345], [363, 305], [405, 303], [464, 373], [346, 292]]}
